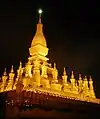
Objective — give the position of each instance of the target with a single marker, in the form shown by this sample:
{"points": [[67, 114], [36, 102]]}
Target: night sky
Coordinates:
{"points": [[72, 31]]}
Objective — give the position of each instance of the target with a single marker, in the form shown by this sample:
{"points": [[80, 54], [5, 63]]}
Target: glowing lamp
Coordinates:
{"points": [[40, 11]]}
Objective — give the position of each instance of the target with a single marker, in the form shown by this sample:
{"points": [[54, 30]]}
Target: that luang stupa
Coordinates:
{"points": [[39, 76]]}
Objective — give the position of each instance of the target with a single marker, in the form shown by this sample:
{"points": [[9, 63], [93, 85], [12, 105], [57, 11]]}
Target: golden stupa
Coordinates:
{"points": [[38, 74]]}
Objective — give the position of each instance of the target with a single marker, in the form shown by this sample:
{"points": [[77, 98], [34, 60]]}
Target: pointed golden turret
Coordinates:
{"points": [[55, 66], [19, 80], [72, 75], [5, 73], [85, 78], [11, 79], [11, 74], [38, 46], [72, 80], [55, 73], [20, 70], [12, 69], [54, 82], [39, 37], [64, 77], [64, 73], [80, 77], [20, 66], [85, 83], [85, 87], [4, 79], [80, 83], [19, 75], [91, 83], [92, 93]]}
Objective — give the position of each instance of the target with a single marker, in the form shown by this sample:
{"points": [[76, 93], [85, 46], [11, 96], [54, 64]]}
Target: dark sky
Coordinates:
{"points": [[72, 31]]}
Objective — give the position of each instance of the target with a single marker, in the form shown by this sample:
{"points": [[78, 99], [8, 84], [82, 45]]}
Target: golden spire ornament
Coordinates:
{"points": [[20, 66], [80, 77], [80, 83], [5, 73], [91, 83], [72, 75], [40, 12], [90, 78], [12, 74], [64, 77], [54, 65], [92, 93], [64, 73], [85, 78], [12, 69]]}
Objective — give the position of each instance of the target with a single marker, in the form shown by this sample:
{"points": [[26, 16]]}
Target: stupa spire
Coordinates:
{"points": [[39, 45], [39, 29], [39, 37], [40, 12]]}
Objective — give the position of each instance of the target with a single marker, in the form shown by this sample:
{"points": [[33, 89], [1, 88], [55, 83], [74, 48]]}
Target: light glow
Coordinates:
{"points": [[40, 11]]}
